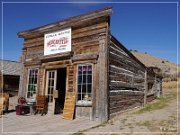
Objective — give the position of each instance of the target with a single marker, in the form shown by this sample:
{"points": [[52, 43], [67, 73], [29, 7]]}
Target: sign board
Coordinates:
{"points": [[55, 93], [69, 106], [57, 42]]}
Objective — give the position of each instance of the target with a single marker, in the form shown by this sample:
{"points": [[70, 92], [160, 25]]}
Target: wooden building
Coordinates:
{"points": [[83, 69], [10, 72]]}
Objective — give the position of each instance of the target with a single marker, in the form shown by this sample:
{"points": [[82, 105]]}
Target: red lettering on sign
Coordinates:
{"points": [[61, 41]]}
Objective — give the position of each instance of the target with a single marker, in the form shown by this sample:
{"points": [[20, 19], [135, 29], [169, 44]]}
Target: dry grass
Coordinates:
{"points": [[150, 60], [159, 103], [171, 84]]}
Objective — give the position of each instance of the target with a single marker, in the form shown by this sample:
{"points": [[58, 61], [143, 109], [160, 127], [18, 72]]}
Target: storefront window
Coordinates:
{"points": [[84, 85], [32, 83]]}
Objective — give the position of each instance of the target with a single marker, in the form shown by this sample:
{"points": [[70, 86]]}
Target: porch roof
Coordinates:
{"points": [[10, 67]]}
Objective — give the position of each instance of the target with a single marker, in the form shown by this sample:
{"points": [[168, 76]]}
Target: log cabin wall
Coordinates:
{"points": [[89, 46], [126, 79]]}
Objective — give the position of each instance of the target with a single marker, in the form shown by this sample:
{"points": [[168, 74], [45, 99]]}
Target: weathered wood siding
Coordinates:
{"points": [[126, 79], [85, 43], [91, 49]]}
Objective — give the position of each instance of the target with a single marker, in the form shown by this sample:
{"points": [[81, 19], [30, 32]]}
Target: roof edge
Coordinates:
{"points": [[129, 52], [58, 23], [10, 61]]}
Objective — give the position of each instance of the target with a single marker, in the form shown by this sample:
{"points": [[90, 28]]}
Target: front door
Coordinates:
{"points": [[50, 87], [61, 87], [56, 80]]}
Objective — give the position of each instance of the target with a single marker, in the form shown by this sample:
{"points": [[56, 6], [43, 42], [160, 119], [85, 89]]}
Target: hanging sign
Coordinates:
{"points": [[69, 106], [57, 42]]}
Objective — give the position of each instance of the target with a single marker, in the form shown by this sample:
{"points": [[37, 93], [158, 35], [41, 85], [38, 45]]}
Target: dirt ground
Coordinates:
{"points": [[160, 121], [12, 124]]}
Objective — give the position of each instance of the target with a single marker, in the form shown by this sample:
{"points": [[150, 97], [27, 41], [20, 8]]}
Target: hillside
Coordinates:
{"points": [[166, 66]]}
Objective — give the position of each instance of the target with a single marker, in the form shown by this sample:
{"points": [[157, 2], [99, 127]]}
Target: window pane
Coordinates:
{"points": [[89, 88], [30, 73], [51, 90], [84, 69], [50, 98], [79, 79], [79, 96], [80, 70], [32, 80], [89, 69], [84, 88], [89, 79], [84, 78], [49, 83], [79, 88], [35, 80], [30, 88], [28, 94], [89, 97], [83, 96], [29, 81], [52, 82], [49, 74], [52, 74], [36, 72]]}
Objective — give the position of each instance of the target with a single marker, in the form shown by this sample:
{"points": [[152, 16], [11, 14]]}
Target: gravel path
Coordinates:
{"points": [[162, 121]]}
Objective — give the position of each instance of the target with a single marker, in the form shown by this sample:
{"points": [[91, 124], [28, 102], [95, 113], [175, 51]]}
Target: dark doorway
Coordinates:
{"points": [[61, 87]]}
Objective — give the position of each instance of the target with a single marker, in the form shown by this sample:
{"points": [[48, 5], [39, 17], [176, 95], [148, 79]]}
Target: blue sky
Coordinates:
{"points": [[146, 27]]}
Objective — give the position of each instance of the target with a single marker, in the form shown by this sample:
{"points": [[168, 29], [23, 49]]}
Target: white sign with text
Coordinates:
{"points": [[57, 42]]}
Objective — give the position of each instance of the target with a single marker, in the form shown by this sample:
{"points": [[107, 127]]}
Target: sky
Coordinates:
{"points": [[146, 27]]}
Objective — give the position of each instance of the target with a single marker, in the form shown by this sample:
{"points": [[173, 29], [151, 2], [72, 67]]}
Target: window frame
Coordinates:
{"points": [[77, 74], [28, 82]]}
